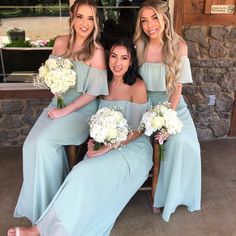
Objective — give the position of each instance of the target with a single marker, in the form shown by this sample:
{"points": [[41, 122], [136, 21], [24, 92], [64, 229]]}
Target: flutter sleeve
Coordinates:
{"points": [[185, 71], [92, 81]]}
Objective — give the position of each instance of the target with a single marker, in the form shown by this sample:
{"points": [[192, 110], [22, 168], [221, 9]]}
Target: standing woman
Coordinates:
{"points": [[44, 159], [98, 188], [164, 66]]}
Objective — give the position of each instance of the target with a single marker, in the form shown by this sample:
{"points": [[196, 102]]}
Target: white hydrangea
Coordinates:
{"points": [[51, 63], [56, 74], [108, 126], [160, 118]]}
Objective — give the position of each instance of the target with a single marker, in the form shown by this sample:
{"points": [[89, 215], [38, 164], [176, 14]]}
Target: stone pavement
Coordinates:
{"points": [[217, 217]]}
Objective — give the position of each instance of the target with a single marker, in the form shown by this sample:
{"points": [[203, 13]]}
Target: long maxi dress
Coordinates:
{"points": [[97, 189], [45, 164], [179, 181]]}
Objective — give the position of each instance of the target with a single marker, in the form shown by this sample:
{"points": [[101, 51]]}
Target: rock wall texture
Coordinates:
{"points": [[16, 119], [212, 53]]}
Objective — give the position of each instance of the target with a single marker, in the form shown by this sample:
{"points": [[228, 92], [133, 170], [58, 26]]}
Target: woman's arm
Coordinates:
{"points": [[84, 99], [175, 96], [60, 44]]}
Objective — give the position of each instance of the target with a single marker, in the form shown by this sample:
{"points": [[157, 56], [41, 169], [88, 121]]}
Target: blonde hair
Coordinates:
{"points": [[170, 43], [92, 41]]}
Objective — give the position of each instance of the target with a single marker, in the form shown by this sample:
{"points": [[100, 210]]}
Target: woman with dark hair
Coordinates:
{"points": [[45, 163], [99, 187]]}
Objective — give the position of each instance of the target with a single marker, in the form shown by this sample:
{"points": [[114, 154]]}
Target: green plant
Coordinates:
{"points": [[51, 42], [19, 43]]}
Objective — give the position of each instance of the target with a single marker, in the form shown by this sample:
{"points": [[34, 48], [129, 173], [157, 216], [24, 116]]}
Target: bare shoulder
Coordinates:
{"points": [[139, 92], [98, 60], [183, 48], [60, 45]]}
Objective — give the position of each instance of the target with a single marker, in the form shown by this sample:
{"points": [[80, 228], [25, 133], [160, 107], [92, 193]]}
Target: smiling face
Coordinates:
{"points": [[119, 61], [152, 25], [84, 22]]}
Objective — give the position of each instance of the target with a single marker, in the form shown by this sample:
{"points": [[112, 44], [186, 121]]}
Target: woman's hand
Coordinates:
{"points": [[90, 144], [56, 113], [102, 150], [161, 137]]}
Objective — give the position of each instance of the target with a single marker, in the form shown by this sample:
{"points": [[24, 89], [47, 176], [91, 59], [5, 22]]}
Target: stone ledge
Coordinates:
{"points": [[22, 91]]}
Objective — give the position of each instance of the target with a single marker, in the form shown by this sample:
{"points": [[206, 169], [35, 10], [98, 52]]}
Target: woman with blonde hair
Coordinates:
{"points": [[45, 163], [164, 66]]}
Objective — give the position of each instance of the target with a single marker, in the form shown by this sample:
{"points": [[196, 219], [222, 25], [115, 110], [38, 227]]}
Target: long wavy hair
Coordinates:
{"points": [[170, 42], [132, 73], [93, 39]]}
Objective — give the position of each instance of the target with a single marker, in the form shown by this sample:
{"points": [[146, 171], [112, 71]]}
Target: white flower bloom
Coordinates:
{"points": [[43, 70], [108, 126], [51, 63], [57, 74], [161, 118], [67, 64]]}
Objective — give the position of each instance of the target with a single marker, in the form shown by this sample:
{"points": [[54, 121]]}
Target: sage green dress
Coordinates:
{"points": [[179, 180], [97, 189], [45, 163]]}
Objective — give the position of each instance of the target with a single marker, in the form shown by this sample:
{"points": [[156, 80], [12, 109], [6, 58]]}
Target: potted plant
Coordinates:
{"points": [[16, 33]]}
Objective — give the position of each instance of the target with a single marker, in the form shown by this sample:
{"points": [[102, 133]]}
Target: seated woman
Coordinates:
{"points": [[98, 188], [45, 165]]}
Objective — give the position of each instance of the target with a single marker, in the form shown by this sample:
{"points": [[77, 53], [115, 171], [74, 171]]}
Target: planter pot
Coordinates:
{"points": [[16, 35], [23, 59]]}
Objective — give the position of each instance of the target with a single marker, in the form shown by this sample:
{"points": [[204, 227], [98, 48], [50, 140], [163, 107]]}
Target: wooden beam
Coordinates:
{"points": [[178, 16], [209, 19], [71, 2], [25, 94]]}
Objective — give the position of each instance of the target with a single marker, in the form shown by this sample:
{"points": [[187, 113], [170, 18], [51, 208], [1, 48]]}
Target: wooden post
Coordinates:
{"points": [[156, 167], [73, 151], [71, 2], [178, 16], [232, 131]]}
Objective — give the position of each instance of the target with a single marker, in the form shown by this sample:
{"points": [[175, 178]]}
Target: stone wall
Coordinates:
{"points": [[16, 119], [212, 53]]}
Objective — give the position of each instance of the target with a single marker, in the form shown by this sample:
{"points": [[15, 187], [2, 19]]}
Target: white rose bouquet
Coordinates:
{"points": [[163, 120], [58, 75], [108, 127]]}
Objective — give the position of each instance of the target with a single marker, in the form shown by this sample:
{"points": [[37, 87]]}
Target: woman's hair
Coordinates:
{"points": [[91, 42], [171, 40], [132, 73]]}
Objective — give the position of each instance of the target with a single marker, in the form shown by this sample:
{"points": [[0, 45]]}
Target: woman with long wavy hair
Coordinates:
{"points": [[164, 66], [45, 163]]}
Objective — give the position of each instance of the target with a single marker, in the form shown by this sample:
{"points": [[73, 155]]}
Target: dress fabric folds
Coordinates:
{"points": [[179, 181], [45, 163], [97, 189]]}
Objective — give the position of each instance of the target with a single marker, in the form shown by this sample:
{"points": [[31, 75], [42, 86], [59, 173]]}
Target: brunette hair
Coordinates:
{"points": [[132, 73]]}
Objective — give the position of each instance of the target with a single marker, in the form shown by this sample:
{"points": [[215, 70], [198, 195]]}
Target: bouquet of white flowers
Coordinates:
{"points": [[163, 120], [58, 75], [108, 127]]}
